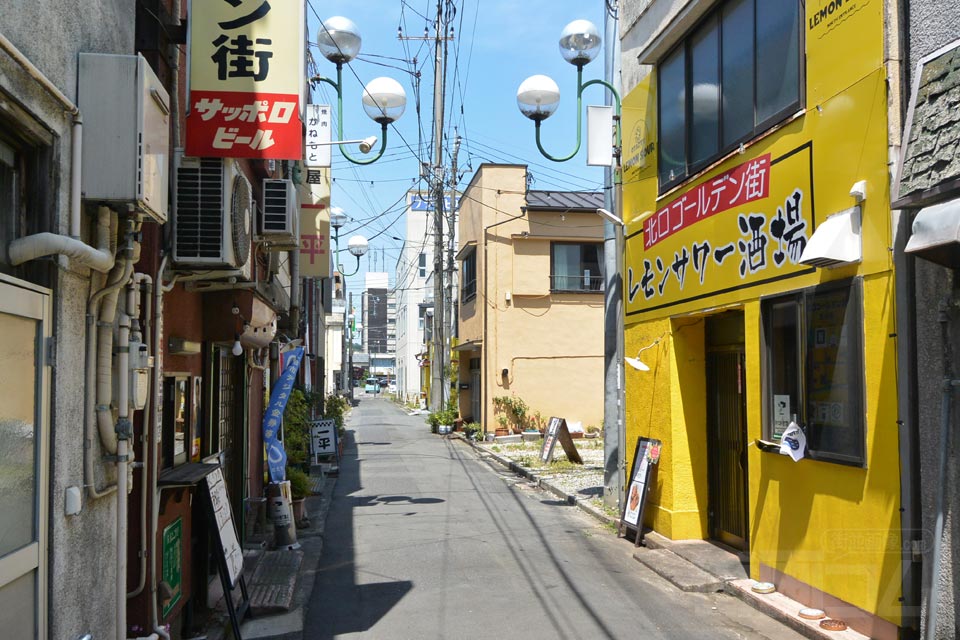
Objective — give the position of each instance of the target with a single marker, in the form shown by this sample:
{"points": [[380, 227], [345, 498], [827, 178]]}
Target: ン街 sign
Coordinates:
{"points": [[246, 65]]}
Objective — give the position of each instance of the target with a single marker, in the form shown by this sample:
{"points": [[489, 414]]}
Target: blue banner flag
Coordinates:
{"points": [[276, 455]]}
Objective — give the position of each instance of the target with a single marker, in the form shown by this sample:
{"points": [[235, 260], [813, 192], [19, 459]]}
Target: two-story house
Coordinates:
{"points": [[531, 298]]}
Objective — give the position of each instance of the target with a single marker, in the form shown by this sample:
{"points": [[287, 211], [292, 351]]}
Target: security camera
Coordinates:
{"points": [[368, 143]]}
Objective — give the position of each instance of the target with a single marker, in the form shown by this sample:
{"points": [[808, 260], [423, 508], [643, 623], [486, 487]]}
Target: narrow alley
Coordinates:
{"points": [[425, 540]]}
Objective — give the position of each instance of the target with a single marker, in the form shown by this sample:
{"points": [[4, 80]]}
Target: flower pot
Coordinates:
{"points": [[501, 431], [299, 511]]}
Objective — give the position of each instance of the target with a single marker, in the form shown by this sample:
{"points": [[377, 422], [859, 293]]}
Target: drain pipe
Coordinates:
{"points": [[949, 384], [159, 289], [124, 431], [145, 282], [104, 378]]}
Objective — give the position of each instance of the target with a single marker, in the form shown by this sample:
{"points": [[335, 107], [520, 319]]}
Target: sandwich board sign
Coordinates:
{"points": [[557, 430], [645, 461]]}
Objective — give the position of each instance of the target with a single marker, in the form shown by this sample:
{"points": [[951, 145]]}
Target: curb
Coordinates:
{"points": [[570, 499]]}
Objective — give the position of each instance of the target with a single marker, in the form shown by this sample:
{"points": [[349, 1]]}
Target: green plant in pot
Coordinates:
{"points": [[300, 488]]}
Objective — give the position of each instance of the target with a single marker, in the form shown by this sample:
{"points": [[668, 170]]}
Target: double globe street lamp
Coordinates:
{"points": [[538, 98], [384, 99]]}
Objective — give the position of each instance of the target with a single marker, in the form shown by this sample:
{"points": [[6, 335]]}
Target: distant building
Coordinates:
{"points": [[531, 299]]}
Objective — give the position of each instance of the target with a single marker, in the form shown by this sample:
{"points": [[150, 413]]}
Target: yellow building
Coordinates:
{"points": [[531, 298], [759, 291]]}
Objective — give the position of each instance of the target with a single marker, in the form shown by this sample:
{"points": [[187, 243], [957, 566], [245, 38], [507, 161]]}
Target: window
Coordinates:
{"points": [[422, 265], [468, 276], [576, 266], [814, 369], [734, 76], [177, 420]]}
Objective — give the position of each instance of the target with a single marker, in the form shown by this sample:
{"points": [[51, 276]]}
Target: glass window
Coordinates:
{"points": [[576, 267], [18, 433], [469, 277], [814, 361], [422, 265], [673, 121], [778, 50], [736, 74], [705, 80], [176, 420], [737, 70]]}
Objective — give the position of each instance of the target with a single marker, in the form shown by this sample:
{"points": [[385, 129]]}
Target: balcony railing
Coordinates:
{"points": [[582, 283]]}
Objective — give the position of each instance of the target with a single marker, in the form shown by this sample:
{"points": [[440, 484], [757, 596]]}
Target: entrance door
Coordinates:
{"points": [[727, 429], [24, 460]]}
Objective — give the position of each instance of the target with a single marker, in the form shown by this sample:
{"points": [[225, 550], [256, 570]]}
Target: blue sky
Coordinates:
{"points": [[498, 44]]}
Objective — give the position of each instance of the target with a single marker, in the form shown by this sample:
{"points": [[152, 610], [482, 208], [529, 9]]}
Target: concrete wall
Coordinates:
{"points": [[81, 565], [934, 24]]}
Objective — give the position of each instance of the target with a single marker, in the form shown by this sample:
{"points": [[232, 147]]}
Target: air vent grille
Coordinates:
{"points": [[200, 201], [275, 214]]}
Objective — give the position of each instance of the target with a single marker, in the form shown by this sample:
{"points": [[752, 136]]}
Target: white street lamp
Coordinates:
{"points": [[384, 99]]}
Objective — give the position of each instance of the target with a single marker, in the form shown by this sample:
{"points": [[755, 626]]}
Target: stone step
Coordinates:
{"points": [[272, 585], [682, 574]]}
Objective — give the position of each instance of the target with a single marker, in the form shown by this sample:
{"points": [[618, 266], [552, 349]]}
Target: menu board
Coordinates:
{"points": [[645, 458], [223, 517]]}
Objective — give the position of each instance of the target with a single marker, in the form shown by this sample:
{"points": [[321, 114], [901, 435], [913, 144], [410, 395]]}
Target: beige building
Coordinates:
{"points": [[531, 298]]}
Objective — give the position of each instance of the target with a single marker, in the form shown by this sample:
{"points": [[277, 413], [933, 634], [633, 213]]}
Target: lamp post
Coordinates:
{"points": [[384, 99], [357, 246], [538, 98]]}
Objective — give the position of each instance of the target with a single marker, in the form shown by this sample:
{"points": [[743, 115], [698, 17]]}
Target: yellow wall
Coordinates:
{"points": [[831, 526]]}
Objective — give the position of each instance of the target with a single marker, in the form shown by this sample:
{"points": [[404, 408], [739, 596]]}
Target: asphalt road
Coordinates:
{"points": [[425, 540]]}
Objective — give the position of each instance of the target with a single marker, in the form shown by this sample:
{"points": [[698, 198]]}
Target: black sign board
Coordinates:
{"points": [[645, 460], [229, 553], [557, 430]]}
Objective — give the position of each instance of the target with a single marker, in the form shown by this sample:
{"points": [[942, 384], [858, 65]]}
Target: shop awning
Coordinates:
{"points": [[836, 241], [936, 234], [185, 475]]}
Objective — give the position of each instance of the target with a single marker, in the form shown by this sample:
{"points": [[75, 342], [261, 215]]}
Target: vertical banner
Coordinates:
{"points": [[276, 455], [245, 74], [318, 137]]}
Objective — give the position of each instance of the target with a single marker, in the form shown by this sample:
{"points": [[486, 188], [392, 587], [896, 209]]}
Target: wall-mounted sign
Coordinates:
{"points": [[318, 136], [246, 69], [315, 228], [173, 564], [744, 227]]}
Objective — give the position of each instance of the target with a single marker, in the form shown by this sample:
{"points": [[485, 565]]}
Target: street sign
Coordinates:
{"points": [[323, 437]]}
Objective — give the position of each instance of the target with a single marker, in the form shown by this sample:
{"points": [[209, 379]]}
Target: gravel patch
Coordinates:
{"points": [[583, 481]]}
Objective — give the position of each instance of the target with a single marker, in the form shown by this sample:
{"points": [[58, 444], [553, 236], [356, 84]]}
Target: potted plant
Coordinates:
{"points": [[300, 488]]}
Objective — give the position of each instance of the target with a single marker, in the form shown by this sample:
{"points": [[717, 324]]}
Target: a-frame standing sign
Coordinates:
{"points": [[229, 553]]}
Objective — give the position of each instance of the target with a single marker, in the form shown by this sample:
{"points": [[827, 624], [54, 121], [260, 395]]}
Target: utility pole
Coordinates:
{"points": [[451, 317], [438, 391], [350, 347], [614, 428]]}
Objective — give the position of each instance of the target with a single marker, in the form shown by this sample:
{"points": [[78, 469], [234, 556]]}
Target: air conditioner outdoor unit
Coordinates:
{"points": [[212, 215], [280, 219]]}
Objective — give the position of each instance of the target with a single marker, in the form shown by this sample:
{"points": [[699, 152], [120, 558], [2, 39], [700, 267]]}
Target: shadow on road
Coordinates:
{"points": [[357, 607]]}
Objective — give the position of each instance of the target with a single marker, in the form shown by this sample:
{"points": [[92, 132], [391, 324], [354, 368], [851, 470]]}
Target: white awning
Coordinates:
{"points": [[836, 241], [936, 234]]}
